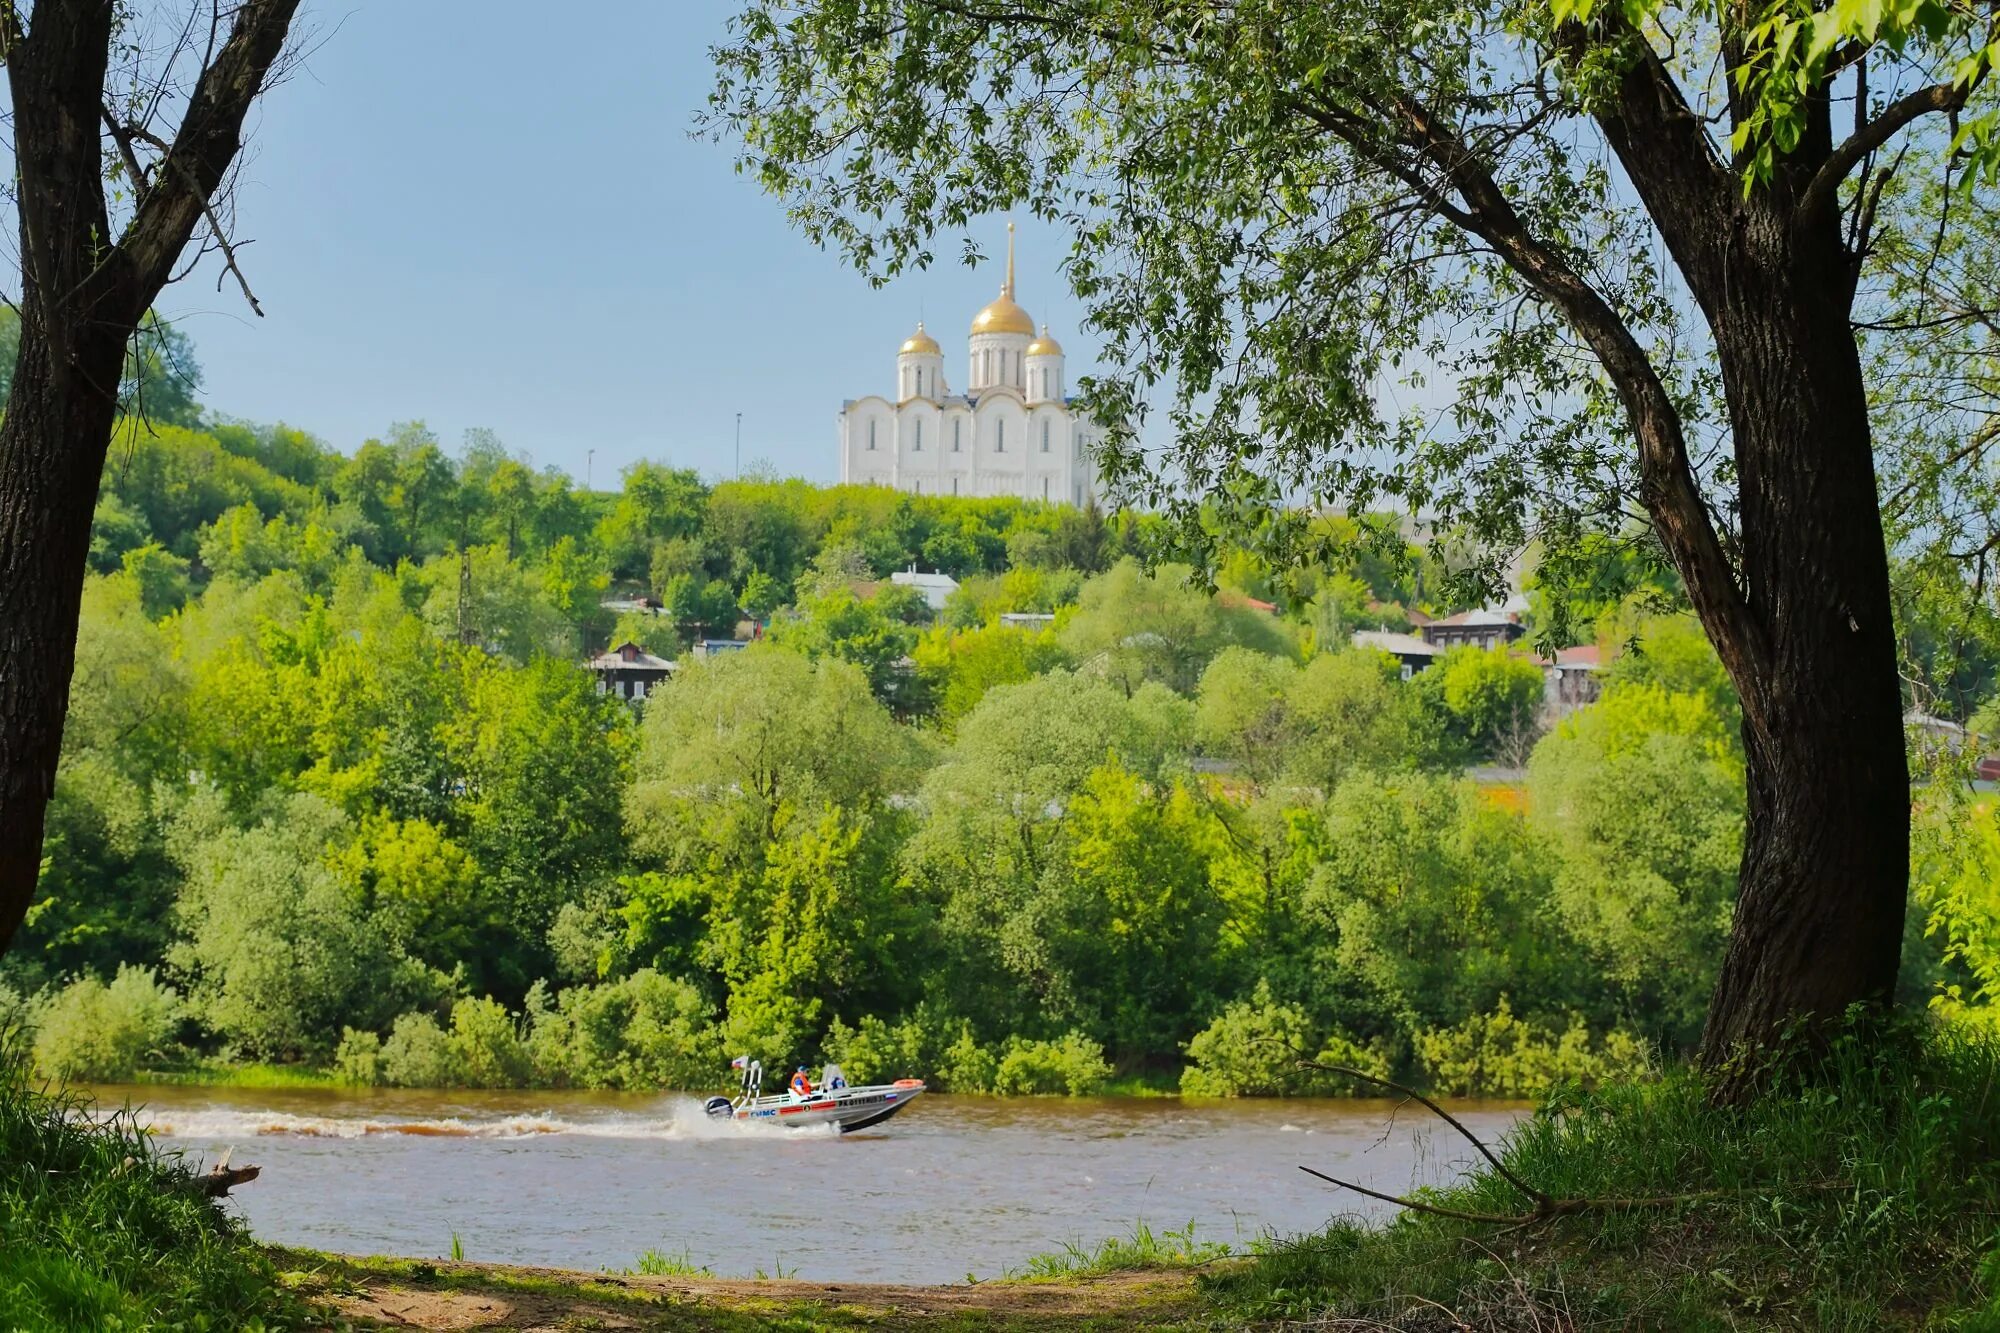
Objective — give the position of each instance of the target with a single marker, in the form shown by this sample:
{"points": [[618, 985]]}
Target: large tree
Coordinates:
{"points": [[1605, 253], [126, 124]]}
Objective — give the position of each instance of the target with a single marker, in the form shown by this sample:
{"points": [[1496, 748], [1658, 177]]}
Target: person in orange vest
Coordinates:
{"points": [[802, 1086]]}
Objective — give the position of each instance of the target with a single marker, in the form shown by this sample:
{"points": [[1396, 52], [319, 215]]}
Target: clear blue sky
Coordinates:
{"points": [[493, 215]]}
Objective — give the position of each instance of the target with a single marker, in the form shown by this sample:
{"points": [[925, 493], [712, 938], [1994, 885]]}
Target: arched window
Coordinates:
{"points": [[999, 437], [1045, 488], [919, 446], [871, 435], [957, 427], [1045, 438]]}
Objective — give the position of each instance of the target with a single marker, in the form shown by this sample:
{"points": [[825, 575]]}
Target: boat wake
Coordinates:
{"points": [[685, 1120]]}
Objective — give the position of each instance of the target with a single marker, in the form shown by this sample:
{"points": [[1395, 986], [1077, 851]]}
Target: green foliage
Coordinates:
{"points": [[100, 1228], [1499, 1055], [956, 667], [1348, 712], [1955, 884], [653, 1263], [1072, 1065], [358, 1058], [735, 738], [1138, 626], [350, 835], [1254, 1048], [1643, 796], [97, 1032], [1495, 698], [836, 624], [1868, 1174], [278, 954], [1144, 1250], [644, 1031]]}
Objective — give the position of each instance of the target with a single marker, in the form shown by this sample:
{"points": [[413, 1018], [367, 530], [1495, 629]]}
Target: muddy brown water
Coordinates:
{"points": [[951, 1187]]}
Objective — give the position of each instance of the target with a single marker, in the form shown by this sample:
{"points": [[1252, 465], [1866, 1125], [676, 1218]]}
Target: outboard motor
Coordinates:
{"points": [[719, 1106]]}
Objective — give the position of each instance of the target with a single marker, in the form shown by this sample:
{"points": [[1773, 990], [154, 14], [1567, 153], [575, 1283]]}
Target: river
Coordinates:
{"points": [[951, 1187]]}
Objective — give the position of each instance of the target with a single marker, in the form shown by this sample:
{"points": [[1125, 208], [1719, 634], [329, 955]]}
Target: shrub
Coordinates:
{"points": [[485, 1046], [91, 1030], [931, 1044], [417, 1054], [645, 1031], [1253, 1047], [1499, 1055], [358, 1058], [1074, 1065], [966, 1066], [668, 1040]]}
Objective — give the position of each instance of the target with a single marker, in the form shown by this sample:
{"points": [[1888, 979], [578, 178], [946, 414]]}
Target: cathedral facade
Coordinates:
{"points": [[1012, 432]]}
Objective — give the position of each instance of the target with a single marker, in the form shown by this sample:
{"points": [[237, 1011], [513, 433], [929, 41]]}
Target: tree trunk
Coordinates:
{"points": [[81, 299], [1819, 915], [52, 447]]}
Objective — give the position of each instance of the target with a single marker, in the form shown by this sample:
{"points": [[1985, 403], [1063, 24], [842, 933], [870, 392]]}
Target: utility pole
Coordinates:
{"points": [[588, 455], [466, 634], [739, 446]]}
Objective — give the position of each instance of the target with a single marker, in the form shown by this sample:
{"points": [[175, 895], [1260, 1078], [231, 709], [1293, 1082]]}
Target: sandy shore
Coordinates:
{"points": [[445, 1295]]}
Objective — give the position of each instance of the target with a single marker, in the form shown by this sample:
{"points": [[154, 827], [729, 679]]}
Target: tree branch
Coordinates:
{"points": [[207, 209], [208, 141], [1825, 185], [1539, 1196]]}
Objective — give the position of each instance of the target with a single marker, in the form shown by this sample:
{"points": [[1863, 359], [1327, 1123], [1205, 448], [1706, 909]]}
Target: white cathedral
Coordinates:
{"points": [[1011, 433]]}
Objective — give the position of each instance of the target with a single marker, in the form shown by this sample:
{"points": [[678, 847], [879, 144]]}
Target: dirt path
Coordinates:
{"points": [[402, 1293]]}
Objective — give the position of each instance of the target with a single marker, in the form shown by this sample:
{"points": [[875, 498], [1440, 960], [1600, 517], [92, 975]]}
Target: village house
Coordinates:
{"points": [[936, 588], [629, 671], [1484, 628], [1412, 652], [1573, 678]]}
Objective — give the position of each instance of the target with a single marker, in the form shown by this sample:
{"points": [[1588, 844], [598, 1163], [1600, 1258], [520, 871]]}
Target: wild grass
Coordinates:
{"points": [[99, 1230], [1863, 1197], [220, 1074], [1151, 1084], [655, 1263], [1143, 1249]]}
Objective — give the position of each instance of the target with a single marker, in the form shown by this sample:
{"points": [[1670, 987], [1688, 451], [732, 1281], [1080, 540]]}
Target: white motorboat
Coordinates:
{"points": [[834, 1103]]}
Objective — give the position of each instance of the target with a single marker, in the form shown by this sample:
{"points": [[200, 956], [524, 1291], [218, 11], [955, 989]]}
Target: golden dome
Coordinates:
{"points": [[919, 344], [1003, 315], [1044, 345]]}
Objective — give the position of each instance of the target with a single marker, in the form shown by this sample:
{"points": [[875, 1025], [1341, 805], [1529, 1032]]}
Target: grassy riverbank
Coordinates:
{"points": [[1865, 1200], [101, 1230]]}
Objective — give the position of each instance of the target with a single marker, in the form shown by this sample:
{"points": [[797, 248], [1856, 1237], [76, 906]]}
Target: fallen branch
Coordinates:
{"points": [[1538, 1196], [217, 1183]]}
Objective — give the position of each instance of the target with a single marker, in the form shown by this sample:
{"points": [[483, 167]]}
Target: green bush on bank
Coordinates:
{"points": [[944, 1052], [1859, 1199], [98, 1229], [643, 1032], [1500, 1055], [1253, 1049], [94, 1030], [1073, 1066]]}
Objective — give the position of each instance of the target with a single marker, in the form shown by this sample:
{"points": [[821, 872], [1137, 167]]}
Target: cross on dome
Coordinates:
{"points": [[1003, 315]]}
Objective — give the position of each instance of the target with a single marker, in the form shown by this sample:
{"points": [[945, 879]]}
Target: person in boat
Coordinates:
{"points": [[802, 1085], [833, 1078]]}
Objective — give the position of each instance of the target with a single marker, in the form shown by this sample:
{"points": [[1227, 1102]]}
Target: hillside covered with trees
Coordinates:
{"points": [[337, 789]]}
